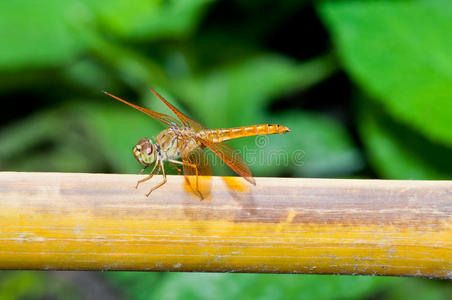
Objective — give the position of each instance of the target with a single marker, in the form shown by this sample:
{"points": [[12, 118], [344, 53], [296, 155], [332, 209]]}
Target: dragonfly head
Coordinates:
{"points": [[144, 151]]}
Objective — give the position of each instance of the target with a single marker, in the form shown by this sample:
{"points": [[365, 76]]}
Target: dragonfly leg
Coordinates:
{"points": [[161, 183], [142, 170], [150, 175], [175, 167], [196, 173]]}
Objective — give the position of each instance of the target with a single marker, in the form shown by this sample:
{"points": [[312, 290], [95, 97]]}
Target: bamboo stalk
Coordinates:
{"points": [[70, 221]]}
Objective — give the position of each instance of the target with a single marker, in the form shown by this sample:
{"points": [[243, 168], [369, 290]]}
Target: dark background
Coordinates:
{"points": [[365, 87]]}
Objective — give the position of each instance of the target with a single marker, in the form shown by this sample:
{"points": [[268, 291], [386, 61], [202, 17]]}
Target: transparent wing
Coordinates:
{"points": [[186, 121], [197, 172], [165, 119], [232, 158]]}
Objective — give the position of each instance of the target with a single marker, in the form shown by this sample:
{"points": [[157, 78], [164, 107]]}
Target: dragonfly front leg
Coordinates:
{"points": [[142, 170], [150, 174], [161, 183]]}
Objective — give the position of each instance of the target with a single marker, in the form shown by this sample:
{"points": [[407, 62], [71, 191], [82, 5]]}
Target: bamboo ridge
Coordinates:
{"points": [[69, 221]]}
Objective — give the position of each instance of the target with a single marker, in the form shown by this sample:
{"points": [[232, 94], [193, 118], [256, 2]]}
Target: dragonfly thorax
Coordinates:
{"points": [[145, 151]]}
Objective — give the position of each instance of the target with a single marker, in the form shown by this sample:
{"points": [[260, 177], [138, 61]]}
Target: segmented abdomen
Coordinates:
{"points": [[226, 134]]}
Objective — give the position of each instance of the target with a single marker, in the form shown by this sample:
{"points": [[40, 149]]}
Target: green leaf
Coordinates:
{"points": [[149, 19], [238, 94], [191, 286], [136, 285], [319, 146], [50, 140], [37, 34], [19, 136], [264, 286], [397, 152], [400, 54], [35, 285]]}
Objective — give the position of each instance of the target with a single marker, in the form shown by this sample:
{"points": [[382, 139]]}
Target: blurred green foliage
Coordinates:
{"points": [[399, 55], [193, 286], [365, 87], [34, 285]]}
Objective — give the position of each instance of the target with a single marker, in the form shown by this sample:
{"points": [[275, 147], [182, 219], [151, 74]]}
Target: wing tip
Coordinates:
{"points": [[250, 180], [153, 91]]}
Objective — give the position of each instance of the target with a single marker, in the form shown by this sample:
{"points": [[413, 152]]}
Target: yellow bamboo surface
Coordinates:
{"points": [[71, 221]]}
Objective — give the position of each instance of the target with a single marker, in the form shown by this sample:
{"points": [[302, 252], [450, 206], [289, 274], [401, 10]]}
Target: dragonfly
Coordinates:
{"points": [[183, 144]]}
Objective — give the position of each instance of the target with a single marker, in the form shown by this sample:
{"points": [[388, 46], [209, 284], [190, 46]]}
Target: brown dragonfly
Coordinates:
{"points": [[186, 139]]}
